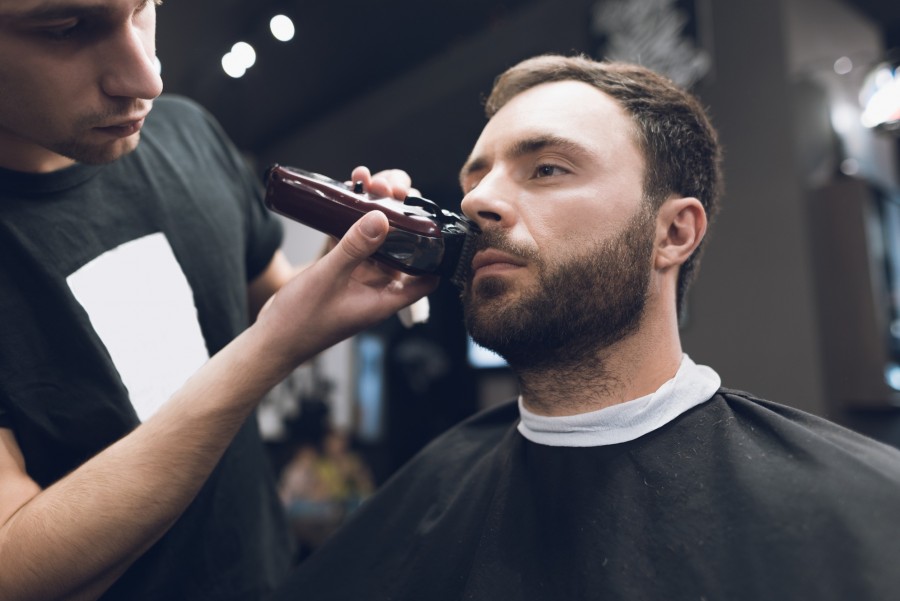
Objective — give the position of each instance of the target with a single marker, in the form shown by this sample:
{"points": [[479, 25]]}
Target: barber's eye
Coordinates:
{"points": [[63, 30]]}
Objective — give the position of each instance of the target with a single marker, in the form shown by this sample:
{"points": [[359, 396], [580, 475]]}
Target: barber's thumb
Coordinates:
{"points": [[365, 236]]}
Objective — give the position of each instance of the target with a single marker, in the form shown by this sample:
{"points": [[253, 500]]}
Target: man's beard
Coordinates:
{"points": [[581, 306]]}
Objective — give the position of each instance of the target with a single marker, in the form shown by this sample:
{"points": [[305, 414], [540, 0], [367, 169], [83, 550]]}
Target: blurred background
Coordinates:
{"points": [[798, 299]]}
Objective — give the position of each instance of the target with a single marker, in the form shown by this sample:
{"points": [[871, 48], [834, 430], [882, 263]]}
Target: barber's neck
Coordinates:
{"points": [[19, 155]]}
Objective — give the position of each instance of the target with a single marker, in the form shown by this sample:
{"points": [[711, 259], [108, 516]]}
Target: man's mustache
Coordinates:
{"points": [[497, 239]]}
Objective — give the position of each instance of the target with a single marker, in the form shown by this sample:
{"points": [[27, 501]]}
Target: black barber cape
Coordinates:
{"points": [[736, 499]]}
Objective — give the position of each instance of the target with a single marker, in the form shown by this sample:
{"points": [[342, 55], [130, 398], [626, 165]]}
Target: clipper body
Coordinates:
{"points": [[423, 239]]}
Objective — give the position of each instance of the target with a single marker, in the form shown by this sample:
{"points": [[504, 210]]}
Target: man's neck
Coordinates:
{"points": [[631, 368]]}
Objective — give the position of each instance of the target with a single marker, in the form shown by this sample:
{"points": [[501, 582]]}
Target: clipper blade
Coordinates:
{"points": [[464, 264]]}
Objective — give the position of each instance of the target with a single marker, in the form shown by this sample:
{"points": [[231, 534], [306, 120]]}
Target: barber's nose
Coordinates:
{"points": [[489, 204], [132, 70]]}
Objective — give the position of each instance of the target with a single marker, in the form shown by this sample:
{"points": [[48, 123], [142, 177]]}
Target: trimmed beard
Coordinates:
{"points": [[582, 305]]}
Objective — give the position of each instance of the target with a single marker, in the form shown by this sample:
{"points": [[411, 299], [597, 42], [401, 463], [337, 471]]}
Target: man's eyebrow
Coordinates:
{"points": [[537, 143], [525, 147]]}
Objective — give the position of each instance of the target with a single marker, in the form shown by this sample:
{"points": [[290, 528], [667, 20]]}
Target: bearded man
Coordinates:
{"points": [[624, 470]]}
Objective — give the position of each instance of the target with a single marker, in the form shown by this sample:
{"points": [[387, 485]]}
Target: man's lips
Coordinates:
{"points": [[492, 261]]}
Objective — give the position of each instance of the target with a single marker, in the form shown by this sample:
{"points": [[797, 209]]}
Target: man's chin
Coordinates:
{"points": [[494, 289], [487, 321]]}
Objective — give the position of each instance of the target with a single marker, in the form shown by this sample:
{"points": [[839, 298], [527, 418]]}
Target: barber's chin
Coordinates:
{"points": [[110, 152], [128, 144]]}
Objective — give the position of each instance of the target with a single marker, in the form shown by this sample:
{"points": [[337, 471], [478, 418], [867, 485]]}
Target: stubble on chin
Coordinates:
{"points": [[489, 300], [484, 304], [575, 309]]}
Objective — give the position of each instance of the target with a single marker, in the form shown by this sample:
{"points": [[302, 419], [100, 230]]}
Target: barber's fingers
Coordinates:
{"points": [[394, 183], [361, 174], [396, 179], [378, 291], [327, 246], [359, 243]]}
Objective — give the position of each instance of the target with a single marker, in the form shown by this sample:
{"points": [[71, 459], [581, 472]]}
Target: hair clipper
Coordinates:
{"points": [[423, 239]]}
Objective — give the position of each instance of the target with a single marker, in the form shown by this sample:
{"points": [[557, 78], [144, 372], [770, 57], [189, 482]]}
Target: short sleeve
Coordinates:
{"points": [[187, 132], [264, 232]]}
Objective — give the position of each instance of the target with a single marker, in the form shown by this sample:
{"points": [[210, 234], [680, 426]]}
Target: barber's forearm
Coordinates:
{"points": [[74, 539]]}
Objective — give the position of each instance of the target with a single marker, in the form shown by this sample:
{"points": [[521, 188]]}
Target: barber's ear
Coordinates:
{"points": [[680, 227]]}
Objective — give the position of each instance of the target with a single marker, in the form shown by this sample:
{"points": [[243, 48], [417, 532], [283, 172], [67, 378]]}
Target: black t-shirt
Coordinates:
{"points": [[180, 213], [736, 499]]}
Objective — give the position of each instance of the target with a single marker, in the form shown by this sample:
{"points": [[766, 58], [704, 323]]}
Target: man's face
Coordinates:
{"points": [[556, 183], [77, 78]]}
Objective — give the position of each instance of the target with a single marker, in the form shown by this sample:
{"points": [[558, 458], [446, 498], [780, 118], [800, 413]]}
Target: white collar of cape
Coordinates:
{"points": [[692, 385]]}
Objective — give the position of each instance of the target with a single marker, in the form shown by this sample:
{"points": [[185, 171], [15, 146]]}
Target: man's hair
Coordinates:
{"points": [[680, 146]]}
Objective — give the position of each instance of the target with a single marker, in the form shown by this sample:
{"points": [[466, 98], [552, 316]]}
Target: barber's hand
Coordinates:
{"points": [[394, 183], [341, 294], [397, 184]]}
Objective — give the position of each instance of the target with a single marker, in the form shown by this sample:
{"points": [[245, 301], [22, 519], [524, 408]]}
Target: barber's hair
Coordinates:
{"points": [[680, 147]]}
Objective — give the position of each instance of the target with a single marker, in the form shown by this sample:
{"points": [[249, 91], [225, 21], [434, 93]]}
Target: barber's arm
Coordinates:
{"points": [[73, 539]]}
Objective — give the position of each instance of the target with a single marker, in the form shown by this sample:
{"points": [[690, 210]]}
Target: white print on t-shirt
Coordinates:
{"points": [[142, 308]]}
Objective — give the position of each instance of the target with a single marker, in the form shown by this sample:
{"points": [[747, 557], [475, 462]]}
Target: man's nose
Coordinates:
{"points": [[490, 203]]}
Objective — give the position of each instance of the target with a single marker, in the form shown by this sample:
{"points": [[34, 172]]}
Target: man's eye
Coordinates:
{"points": [[548, 171]]}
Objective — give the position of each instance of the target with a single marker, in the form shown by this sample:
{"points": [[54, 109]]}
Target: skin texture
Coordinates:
{"points": [[555, 179], [78, 77]]}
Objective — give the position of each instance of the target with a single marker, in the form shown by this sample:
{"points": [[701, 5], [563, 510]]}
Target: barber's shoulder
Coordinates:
{"points": [[182, 122], [172, 109]]}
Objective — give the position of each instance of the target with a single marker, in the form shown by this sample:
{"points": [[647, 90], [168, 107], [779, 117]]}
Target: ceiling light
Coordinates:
{"points": [[843, 65], [244, 53], [282, 28], [241, 58], [232, 66]]}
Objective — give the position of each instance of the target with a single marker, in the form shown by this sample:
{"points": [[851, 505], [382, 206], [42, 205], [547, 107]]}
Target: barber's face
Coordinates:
{"points": [[556, 183], [78, 77]]}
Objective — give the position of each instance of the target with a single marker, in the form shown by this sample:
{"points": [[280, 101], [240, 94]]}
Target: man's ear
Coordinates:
{"points": [[680, 227]]}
